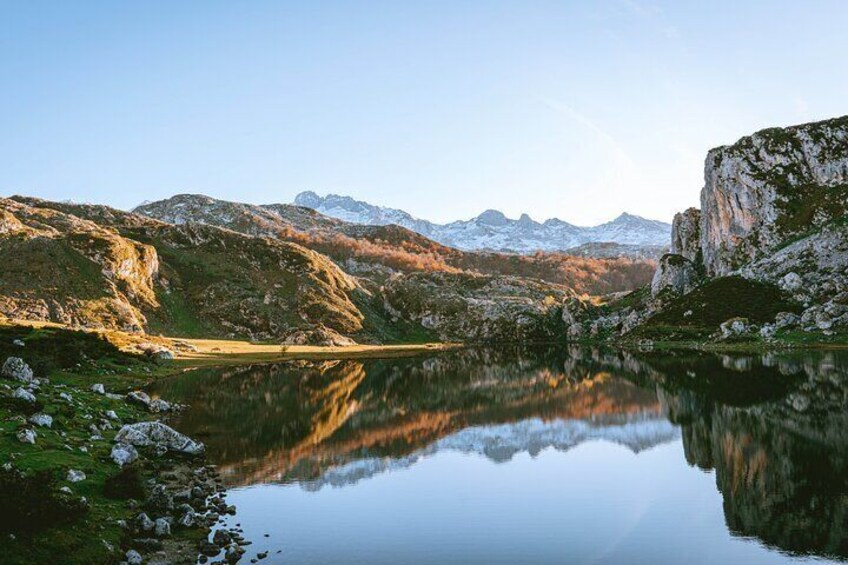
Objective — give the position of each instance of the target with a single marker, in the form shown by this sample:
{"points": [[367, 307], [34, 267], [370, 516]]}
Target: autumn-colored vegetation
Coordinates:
{"points": [[403, 250]]}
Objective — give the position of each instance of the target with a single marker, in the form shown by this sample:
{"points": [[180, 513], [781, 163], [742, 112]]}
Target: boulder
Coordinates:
{"points": [[16, 369], [144, 523], [791, 282], [123, 454], [786, 319], [75, 476], [40, 419], [98, 388], [674, 272], [158, 435], [162, 528], [734, 327], [139, 398], [24, 395], [133, 557], [26, 435]]}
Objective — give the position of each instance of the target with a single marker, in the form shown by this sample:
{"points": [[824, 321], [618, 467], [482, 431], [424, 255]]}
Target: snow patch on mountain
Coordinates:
{"points": [[492, 230]]}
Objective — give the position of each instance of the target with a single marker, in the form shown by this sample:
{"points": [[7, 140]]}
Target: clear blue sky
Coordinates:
{"points": [[572, 109]]}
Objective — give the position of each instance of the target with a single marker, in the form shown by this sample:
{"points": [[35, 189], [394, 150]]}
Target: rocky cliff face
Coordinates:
{"points": [[771, 186], [63, 269], [686, 234]]}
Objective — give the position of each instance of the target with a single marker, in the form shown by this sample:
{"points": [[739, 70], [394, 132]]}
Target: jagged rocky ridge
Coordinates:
{"points": [[491, 230], [772, 212]]}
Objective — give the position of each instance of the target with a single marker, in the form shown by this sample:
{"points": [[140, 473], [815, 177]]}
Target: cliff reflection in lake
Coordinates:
{"points": [[770, 428]]}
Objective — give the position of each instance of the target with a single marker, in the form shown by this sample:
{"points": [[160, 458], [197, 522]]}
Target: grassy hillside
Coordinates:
{"points": [[202, 280], [700, 313]]}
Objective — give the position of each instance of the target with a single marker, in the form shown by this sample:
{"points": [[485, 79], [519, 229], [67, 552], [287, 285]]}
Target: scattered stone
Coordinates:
{"points": [[158, 435], [144, 523], [791, 282], [66, 490], [734, 327], [139, 398], [24, 395], [40, 419], [75, 476], [142, 399], [221, 537], [16, 369], [65, 396], [786, 319], [209, 549], [133, 557], [162, 528], [18, 343], [187, 520], [98, 388], [768, 331], [112, 415], [233, 555], [159, 500], [123, 454], [158, 405], [27, 435]]}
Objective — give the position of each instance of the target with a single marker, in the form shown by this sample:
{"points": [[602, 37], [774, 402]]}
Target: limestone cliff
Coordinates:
{"points": [[771, 186]]}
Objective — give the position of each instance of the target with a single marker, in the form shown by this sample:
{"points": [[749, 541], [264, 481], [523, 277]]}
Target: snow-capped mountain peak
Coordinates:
{"points": [[492, 230]]}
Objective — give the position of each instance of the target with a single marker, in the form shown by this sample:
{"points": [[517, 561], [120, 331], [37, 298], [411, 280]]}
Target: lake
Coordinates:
{"points": [[532, 455]]}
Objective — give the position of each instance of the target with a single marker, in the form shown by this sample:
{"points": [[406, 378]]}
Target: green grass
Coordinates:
{"points": [[77, 359], [714, 303]]}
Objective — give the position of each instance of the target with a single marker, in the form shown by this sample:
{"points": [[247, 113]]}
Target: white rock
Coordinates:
{"points": [[162, 528], [124, 454], [26, 435], [75, 476], [159, 435], [144, 522], [18, 343], [43, 420], [133, 557], [791, 282], [112, 415], [16, 369], [98, 388], [23, 395]]}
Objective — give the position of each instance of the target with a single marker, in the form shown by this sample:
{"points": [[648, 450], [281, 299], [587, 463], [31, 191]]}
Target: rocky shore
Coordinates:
{"points": [[92, 475]]}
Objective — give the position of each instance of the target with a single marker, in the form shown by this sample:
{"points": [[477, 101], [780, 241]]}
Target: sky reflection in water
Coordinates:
{"points": [[528, 456]]}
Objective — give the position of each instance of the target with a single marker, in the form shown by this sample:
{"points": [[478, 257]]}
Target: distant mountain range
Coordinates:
{"points": [[492, 230]]}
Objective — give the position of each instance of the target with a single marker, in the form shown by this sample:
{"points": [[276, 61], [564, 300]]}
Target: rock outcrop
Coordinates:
{"points": [[686, 235], [477, 308], [674, 272], [771, 186]]}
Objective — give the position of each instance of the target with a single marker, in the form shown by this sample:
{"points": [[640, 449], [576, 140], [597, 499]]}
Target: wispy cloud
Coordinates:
{"points": [[600, 133]]}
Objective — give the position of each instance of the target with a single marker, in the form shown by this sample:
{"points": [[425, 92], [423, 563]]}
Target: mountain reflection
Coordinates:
{"points": [[772, 427]]}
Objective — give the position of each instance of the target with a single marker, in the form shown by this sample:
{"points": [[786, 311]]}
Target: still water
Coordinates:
{"points": [[554, 455]]}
